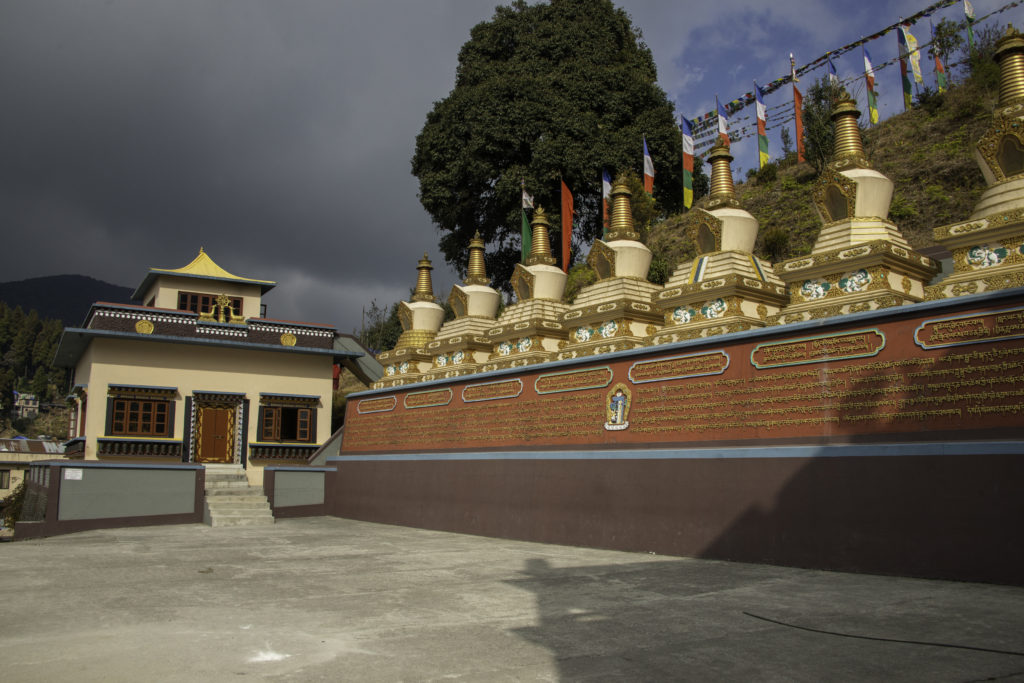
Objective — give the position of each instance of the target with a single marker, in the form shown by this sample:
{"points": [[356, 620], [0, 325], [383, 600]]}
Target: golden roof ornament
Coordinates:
{"points": [[848, 150], [475, 273], [424, 287], [621, 224], [1010, 57], [723, 191], [540, 250]]}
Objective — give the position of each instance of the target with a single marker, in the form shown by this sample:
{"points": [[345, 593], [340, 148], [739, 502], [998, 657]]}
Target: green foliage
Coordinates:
{"points": [[27, 346], [644, 206], [787, 142], [579, 277], [13, 504], [983, 68], [767, 174], [776, 242], [660, 270], [543, 92], [819, 136], [948, 40], [381, 327]]}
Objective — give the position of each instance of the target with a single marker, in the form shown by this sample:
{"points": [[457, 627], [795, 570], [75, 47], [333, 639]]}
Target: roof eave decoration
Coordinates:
{"points": [[201, 267]]}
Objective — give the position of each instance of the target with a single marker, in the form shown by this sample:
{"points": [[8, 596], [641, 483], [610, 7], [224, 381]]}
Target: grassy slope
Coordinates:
{"points": [[927, 152]]}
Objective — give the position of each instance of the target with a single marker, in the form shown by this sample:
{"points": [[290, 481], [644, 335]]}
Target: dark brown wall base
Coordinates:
{"points": [[940, 516], [24, 530]]}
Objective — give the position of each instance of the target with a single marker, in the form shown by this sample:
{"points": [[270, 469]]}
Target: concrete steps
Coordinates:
{"points": [[230, 501]]}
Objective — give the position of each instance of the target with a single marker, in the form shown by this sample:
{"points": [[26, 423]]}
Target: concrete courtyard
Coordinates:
{"points": [[327, 599]]}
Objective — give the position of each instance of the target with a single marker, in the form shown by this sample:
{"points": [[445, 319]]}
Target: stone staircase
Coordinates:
{"points": [[230, 501]]}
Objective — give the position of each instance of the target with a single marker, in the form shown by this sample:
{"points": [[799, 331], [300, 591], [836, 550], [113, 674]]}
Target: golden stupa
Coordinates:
{"points": [[725, 288], [861, 261], [421, 318]]}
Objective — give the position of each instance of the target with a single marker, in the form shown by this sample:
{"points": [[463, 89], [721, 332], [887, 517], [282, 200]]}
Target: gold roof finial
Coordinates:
{"points": [[621, 224], [540, 250], [723, 191], [475, 273], [1010, 56], [424, 287], [849, 148]]}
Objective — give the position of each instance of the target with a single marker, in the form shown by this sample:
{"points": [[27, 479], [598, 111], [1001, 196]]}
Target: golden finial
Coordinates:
{"points": [[621, 227], [424, 287], [1010, 56], [723, 192], [475, 273], [540, 251], [848, 148]]}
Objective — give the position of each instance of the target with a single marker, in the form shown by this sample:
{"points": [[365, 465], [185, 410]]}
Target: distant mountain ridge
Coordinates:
{"points": [[62, 297]]}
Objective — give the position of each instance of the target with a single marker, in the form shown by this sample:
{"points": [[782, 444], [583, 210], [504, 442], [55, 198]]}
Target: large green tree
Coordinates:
{"points": [[543, 92]]}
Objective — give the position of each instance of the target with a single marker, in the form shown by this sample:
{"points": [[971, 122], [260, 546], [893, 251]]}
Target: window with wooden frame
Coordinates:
{"points": [[140, 417], [5, 479], [284, 420], [204, 303], [140, 411]]}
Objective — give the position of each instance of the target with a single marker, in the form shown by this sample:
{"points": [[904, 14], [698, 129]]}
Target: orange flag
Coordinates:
{"points": [[567, 212], [798, 110]]}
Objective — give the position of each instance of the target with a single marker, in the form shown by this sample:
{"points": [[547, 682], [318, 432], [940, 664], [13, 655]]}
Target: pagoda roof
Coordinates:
{"points": [[201, 267]]}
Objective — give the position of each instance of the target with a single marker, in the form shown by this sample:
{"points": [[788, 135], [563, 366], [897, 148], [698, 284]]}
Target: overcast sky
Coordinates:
{"points": [[278, 135]]}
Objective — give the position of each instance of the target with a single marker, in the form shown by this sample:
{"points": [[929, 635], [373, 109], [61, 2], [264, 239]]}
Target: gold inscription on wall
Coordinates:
{"points": [[680, 367], [1005, 324], [428, 399], [818, 349], [573, 381], [489, 391], [376, 405]]}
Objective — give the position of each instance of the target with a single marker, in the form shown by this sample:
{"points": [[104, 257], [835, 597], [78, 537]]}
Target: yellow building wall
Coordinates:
{"points": [[192, 368], [166, 289]]}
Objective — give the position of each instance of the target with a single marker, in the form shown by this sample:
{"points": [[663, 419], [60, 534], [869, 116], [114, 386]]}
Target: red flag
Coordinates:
{"points": [[566, 225], [798, 110]]}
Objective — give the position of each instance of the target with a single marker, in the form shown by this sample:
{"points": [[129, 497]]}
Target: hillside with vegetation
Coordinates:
{"points": [[928, 153]]}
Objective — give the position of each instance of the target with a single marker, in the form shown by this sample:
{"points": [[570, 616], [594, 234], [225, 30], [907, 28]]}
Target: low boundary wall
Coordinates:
{"points": [[886, 441], [296, 491], [65, 497]]}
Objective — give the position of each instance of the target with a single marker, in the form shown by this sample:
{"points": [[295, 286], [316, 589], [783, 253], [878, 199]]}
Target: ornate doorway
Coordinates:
{"points": [[215, 433]]}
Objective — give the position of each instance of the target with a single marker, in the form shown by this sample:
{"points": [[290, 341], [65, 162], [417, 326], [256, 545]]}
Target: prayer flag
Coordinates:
{"points": [[762, 126], [648, 170], [833, 78], [869, 78], [798, 117], [792, 68], [969, 13], [687, 163], [910, 45], [723, 122], [606, 198], [527, 240], [908, 91], [567, 212], [940, 70]]}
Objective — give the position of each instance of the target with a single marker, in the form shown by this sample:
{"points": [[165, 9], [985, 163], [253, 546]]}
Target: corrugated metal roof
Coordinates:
{"points": [[40, 446]]}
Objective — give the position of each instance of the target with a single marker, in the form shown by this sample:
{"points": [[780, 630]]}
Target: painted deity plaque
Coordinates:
{"points": [[617, 408]]}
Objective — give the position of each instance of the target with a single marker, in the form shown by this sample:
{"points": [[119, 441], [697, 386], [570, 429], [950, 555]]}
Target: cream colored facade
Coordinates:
{"points": [[158, 383]]}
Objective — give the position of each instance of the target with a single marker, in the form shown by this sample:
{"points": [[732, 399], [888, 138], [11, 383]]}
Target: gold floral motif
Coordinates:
{"points": [[824, 312], [846, 188], [858, 308], [961, 289], [907, 284], [1002, 127], [762, 311], [888, 301], [144, 327], [288, 339], [1004, 281]]}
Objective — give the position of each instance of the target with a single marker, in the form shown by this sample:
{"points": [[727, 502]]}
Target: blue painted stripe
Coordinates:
{"points": [[832, 451], [115, 465], [300, 469]]}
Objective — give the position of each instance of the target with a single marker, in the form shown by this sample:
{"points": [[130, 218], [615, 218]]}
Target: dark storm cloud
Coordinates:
{"points": [[276, 135]]}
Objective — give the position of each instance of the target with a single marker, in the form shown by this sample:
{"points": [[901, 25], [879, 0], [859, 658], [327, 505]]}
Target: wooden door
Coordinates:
{"points": [[214, 435]]}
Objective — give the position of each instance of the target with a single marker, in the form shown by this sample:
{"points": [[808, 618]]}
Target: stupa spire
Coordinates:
{"points": [[424, 286], [475, 273], [621, 225], [849, 148], [540, 250], [1010, 56], [722, 186]]}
